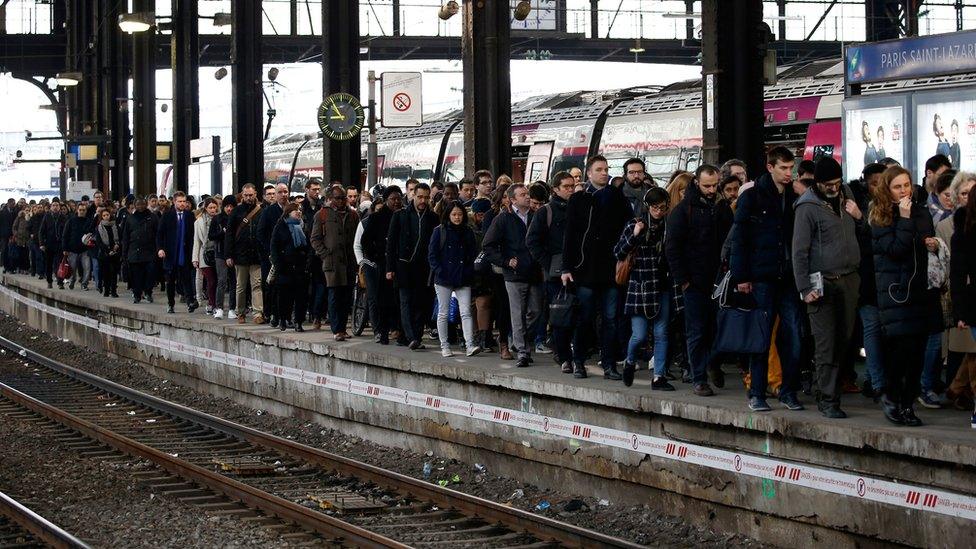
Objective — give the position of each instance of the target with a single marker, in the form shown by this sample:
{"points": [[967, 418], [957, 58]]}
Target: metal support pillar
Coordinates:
{"points": [[396, 17], [733, 48], [485, 46], [891, 19], [690, 22], [340, 73], [144, 103], [594, 18], [959, 19], [781, 11], [186, 86], [71, 63], [113, 105], [293, 17], [247, 104]]}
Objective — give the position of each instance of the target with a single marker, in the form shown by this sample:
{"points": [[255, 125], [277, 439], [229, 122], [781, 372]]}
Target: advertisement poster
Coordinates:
{"points": [[873, 134], [947, 128]]}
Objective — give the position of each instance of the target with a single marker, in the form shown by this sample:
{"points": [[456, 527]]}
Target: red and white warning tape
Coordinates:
{"points": [[817, 478]]}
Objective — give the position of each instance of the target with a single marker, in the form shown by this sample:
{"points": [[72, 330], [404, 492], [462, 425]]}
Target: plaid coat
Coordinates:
{"points": [[649, 276]]}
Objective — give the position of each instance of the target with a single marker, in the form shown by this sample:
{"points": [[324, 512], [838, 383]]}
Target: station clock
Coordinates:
{"points": [[341, 116]]}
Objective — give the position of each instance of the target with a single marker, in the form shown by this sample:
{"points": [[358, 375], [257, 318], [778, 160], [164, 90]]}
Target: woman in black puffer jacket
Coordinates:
{"points": [[902, 235]]}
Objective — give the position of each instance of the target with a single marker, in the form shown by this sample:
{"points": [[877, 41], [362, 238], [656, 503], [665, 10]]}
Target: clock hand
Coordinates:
{"points": [[338, 114]]}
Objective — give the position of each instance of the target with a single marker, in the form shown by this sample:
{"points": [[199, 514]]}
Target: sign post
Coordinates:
{"points": [[371, 139], [401, 96]]}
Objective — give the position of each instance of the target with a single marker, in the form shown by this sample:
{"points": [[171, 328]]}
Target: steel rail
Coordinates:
{"points": [[233, 489], [41, 528], [543, 528]]}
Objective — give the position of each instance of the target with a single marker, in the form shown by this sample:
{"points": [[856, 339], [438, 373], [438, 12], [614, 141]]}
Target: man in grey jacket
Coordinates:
{"points": [[825, 261]]}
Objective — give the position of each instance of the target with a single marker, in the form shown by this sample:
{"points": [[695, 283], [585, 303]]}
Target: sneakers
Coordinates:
{"points": [[415, 345], [170, 310], [629, 369], [231, 314], [259, 319], [473, 350], [446, 352], [542, 349], [660, 383], [758, 404], [791, 402], [566, 367], [703, 390], [219, 313], [930, 400], [522, 362]]}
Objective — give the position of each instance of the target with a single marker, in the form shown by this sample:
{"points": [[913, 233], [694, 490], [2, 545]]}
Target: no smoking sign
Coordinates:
{"points": [[401, 97]]}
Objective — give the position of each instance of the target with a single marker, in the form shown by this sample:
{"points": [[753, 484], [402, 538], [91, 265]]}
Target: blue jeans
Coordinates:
{"points": [[778, 299], [700, 313], [638, 335], [589, 298], [932, 366], [873, 349], [317, 294]]}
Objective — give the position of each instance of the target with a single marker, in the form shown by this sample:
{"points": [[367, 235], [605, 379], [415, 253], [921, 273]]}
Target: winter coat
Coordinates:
{"points": [[34, 227], [201, 240], [697, 228], [169, 239], [139, 237], [451, 255], [333, 234], [906, 305], [594, 220], [649, 277], [635, 197], [108, 241], [22, 230], [937, 210], [74, 230], [762, 234], [504, 241], [823, 241], [7, 217], [406, 244], [217, 233], [376, 228], [289, 261], [241, 239], [547, 233], [309, 209], [51, 231], [962, 270], [267, 219]]}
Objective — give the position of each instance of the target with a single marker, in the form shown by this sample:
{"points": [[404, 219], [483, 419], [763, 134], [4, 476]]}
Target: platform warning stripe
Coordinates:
{"points": [[817, 478]]}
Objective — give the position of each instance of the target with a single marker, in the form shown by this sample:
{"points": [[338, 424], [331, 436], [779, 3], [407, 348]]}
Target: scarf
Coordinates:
{"points": [[297, 234], [108, 232]]}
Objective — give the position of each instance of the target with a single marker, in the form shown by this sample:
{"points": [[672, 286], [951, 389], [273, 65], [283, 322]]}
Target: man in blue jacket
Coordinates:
{"points": [[761, 264], [174, 243]]}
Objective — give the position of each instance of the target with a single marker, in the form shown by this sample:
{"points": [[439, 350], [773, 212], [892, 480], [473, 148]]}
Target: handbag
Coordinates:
{"points": [[481, 263], [742, 331], [624, 266], [563, 309], [210, 256], [64, 269]]}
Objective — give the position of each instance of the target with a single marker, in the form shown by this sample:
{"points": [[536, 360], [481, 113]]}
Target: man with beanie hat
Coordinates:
{"points": [[826, 257]]}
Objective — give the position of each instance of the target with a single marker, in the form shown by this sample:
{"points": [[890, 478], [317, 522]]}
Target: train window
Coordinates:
{"points": [[535, 171]]}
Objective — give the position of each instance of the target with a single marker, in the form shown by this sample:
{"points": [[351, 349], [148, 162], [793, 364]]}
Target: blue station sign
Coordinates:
{"points": [[911, 58]]}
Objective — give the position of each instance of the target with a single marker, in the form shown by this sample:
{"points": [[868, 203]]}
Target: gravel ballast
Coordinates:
{"points": [[637, 523]]}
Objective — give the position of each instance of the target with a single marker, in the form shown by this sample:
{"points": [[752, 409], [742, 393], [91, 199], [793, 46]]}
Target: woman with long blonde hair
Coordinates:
{"points": [[902, 235]]}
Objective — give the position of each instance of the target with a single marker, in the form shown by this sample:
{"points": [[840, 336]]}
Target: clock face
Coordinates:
{"points": [[341, 116]]}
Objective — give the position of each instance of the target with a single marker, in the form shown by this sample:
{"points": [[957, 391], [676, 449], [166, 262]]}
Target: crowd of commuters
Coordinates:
{"points": [[626, 271]]}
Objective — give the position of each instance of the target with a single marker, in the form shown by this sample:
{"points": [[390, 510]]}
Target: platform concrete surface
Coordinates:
{"points": [[940, 455]]}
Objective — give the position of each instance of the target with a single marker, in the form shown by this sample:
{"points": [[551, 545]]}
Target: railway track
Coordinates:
{"points": [[226, 468], [21, 527]]}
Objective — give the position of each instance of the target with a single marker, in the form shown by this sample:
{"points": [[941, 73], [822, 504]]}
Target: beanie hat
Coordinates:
{"points": [[827, 170], [480, 205], [228, 200]]}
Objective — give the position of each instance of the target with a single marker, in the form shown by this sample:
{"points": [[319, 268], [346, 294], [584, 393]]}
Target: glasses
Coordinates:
{"points": [[659, 207]]}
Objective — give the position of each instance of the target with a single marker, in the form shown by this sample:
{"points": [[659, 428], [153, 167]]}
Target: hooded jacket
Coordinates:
{"points": [[823, 241]]}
